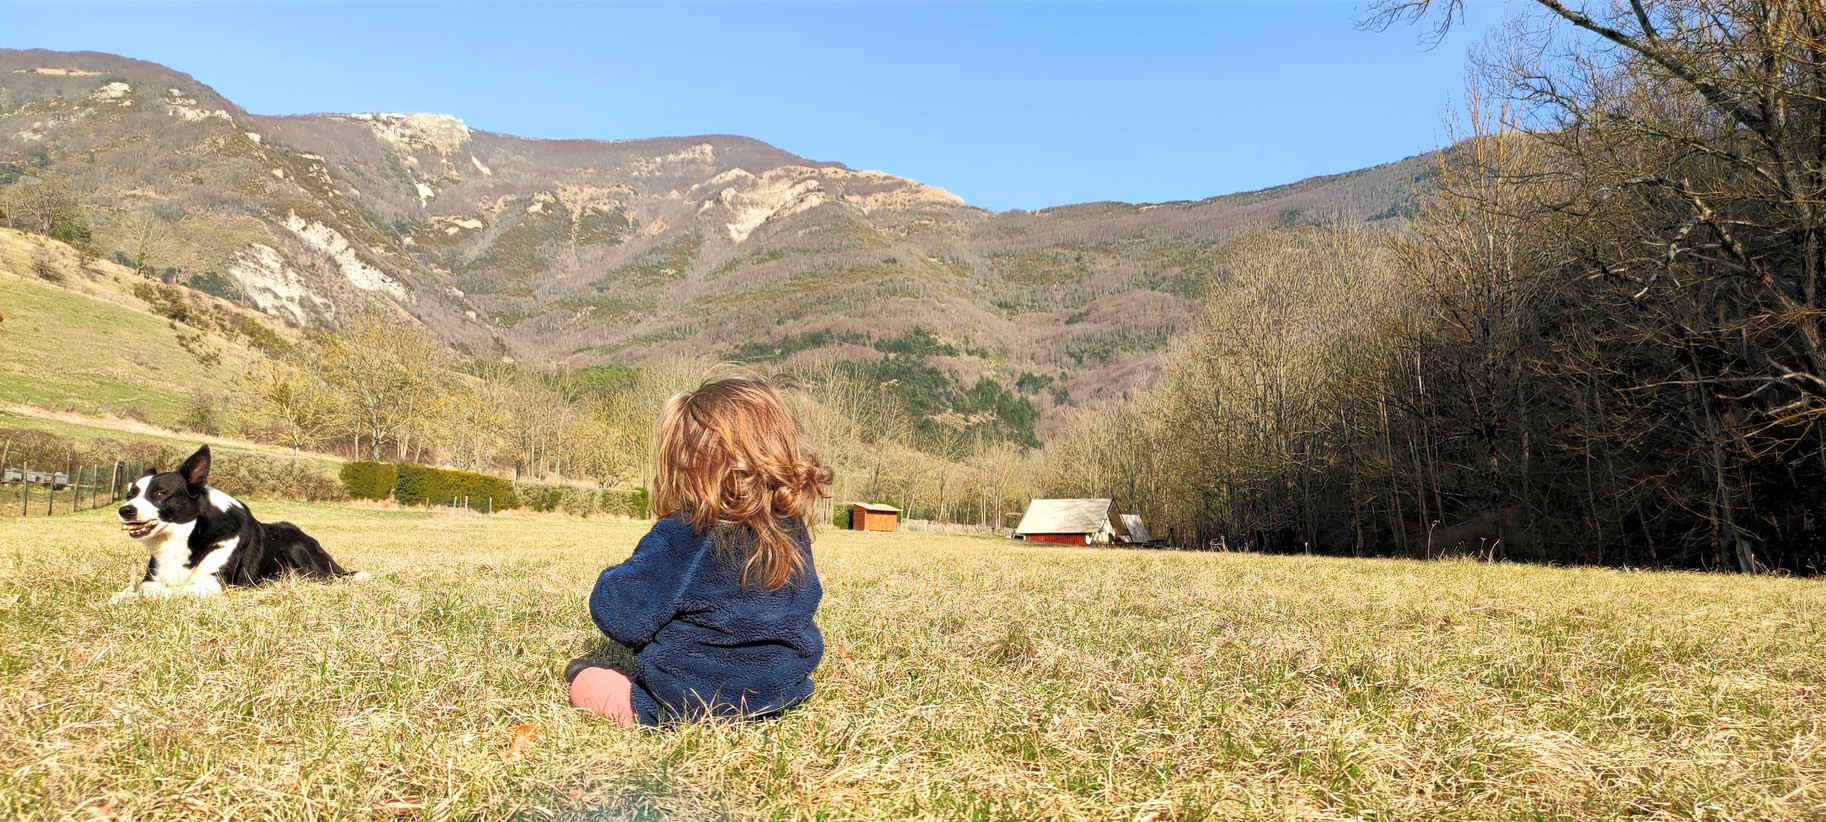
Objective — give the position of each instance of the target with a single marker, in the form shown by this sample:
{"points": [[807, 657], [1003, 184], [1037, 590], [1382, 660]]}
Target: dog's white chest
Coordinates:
{"points": [[171, 555]]}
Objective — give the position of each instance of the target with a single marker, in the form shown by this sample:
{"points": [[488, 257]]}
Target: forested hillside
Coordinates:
{"points": [[1599, 341]]}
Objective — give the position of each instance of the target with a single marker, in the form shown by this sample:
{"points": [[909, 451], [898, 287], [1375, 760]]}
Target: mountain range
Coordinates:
{"points": [[572, 252]]}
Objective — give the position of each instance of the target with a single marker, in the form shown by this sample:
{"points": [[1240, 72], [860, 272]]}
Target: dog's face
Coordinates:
{"points": [[161, 499]]}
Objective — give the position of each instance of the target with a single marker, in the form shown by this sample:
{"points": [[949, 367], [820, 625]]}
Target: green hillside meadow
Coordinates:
{"points": [[964, 678], [83, 343]]}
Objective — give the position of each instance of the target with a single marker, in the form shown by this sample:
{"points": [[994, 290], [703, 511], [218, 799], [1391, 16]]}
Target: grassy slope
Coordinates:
{"points": [[88, 345], [963, 678]]}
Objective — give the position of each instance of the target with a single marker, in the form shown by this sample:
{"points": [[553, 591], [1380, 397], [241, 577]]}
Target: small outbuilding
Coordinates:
{"points": [[874, 516], [1073, 522]]}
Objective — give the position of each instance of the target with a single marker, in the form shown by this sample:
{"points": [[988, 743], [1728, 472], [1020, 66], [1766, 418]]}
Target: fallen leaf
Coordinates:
{"points": [[576, 794], [103, 812], [525, 737]]}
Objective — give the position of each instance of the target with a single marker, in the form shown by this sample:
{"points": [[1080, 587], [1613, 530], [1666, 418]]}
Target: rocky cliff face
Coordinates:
{"points": [[573, 251]]}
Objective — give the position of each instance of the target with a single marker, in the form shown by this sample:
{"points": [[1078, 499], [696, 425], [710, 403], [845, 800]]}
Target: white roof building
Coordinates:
{"points": [[1093, 521]]}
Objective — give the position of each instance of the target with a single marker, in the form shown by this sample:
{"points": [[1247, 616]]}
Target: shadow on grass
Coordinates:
{"points": [[609, 654]]}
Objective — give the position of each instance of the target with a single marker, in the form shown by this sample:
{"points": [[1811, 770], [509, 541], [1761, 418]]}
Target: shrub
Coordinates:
{"points": [[258, 475], [164, 300], [202, 413], [583, 501], [367, 479], [45, 268], [257, 333], [36, 448], [842, 518], [580, 502], [421, 485], [542, 498], [626, 502], [210, 282], [67, 229]]}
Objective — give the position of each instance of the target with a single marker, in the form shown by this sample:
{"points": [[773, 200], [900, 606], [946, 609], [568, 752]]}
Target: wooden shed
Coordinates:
{"points": [[874, 516], [1072, 522]]}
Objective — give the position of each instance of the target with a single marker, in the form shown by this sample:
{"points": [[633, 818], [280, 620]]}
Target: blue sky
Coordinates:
{"points": [[1011, 105]]}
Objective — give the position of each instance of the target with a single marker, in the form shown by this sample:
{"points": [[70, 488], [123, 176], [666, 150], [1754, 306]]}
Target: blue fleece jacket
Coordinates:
{"points": [[704, 643]]}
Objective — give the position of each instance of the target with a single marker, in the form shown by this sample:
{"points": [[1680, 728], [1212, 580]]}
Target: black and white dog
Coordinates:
{"points": [[202, 539]]}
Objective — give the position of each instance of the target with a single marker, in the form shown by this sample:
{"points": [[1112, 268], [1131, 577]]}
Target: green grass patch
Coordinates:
{"points": [[70, 351]]}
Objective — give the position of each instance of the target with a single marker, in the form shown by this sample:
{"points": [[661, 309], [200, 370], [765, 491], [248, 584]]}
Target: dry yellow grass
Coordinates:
{"points": [[965, 678]]}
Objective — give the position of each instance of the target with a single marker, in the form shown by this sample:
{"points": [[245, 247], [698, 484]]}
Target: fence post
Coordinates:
{"points": [[491, 504], [25, 494]]}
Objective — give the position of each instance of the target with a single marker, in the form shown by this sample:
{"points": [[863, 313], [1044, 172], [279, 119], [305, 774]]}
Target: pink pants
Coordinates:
{"points": [[604, 692]]}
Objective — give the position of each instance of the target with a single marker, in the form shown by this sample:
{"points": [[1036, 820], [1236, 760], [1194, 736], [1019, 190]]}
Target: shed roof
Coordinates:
{"points": [[877, 508], [1138, 531], [1065, 516]]}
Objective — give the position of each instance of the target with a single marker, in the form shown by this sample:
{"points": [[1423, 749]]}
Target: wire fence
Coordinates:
{"points": [[28, 490]]}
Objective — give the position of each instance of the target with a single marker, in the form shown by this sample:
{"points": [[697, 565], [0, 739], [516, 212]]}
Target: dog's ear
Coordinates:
{"points": [[151, 472], [196, 469]]}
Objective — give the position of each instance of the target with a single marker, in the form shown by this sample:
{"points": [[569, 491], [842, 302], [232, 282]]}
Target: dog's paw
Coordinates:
{"points": [[124, 596], [203, 588], [360, 576]]}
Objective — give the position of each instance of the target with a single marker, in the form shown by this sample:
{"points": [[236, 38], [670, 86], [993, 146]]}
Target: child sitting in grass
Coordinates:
{"points": [[716, 602]]}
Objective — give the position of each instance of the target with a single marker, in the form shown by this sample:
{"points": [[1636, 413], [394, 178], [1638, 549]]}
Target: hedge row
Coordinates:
{"points": [[420, 485], [423, 485], [583, 502], [368, 479]]}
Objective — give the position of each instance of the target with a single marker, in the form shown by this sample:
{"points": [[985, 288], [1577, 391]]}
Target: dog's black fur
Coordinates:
{"points": [[202, 540]]}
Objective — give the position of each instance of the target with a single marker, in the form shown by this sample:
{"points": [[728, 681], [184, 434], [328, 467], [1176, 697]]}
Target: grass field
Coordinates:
{"points": [[965, 678]]}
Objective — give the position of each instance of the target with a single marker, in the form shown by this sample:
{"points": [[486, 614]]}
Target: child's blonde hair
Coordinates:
{"points": [[729, 453]]}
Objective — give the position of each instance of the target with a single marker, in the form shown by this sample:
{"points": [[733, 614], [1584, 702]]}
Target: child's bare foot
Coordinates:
{"points": [[601, 690], [578, 666]]}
